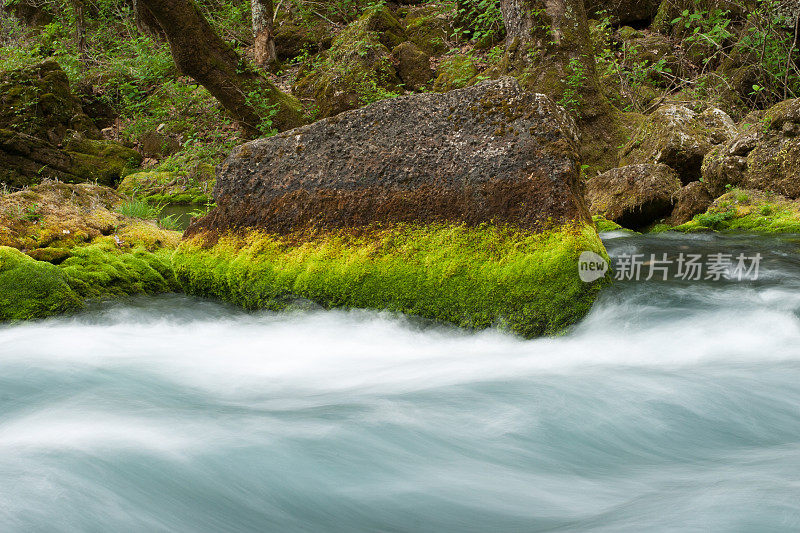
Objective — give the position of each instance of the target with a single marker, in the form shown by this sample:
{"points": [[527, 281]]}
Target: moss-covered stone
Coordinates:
{"points": [[295, 36], [678, 137], [414, 66], [430, 29], [44, 133], [37, 101], [99, 160], [748, 211], [32, 289], [357, 70], [765, 155], [172, 188], [634, 196], [79, 247], [474, 277], [455, 72]]}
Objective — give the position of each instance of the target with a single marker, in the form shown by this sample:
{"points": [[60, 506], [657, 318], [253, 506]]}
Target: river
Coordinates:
{"points": [[674, 406]]}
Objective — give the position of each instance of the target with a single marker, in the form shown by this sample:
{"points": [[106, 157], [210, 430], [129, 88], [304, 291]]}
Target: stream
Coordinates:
{"points": [[674, 406]]}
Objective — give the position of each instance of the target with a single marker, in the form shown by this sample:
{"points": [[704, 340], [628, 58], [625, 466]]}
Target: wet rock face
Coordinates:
{"points": [[491, 152], [634, 196], [764, 156], [679, 138]]}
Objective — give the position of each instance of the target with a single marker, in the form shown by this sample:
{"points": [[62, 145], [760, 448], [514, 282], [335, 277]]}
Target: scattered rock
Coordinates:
{"points": [[414, 66], [634, 196], [764, 156], [691, 200], [679, 138]]}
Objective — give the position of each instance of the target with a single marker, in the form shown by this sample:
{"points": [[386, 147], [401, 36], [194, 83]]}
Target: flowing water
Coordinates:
{"points": [[675, 406]]}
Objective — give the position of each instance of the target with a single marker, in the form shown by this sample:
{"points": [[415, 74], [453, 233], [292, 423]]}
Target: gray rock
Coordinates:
{"points": [[491, 152], [634, 196]]}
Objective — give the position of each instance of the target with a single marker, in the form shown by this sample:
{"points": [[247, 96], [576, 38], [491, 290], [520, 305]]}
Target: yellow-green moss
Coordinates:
{"points": [[473, 277], [104, 269], [32, 289]]}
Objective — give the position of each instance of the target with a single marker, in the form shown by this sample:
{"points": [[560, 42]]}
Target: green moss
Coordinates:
{"points": [[473, 277], [101, 161], [32, 289], [603, 224], [102, 269]]}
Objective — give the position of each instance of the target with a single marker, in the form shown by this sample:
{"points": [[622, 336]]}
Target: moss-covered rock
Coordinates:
{"points": [[634, 196], [79, 247], [748, 211], [32, 289], [295, 36], [174, 188], [765, 155], [623, 11], [477, 217], [413, 66], [44, 133], [693, 199], [357, 69], [430, 29], [678, 137], [474, 277], [38, 101], [99, 160], [455, 72]]}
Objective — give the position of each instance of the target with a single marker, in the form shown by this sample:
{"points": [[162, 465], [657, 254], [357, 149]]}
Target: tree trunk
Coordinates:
{"points": [[263, 15], [146, 23], [549, 49], [550, 39], [80, 30], [199, 52]]}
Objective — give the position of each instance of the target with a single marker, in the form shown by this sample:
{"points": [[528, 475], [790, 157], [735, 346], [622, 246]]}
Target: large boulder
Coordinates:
{"points": [[678, 137], [634, 196], [465, 207], [44, 133], [765, 155]]}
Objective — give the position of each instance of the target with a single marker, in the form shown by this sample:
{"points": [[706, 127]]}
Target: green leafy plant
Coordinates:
{"points": [[574, 83]]}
